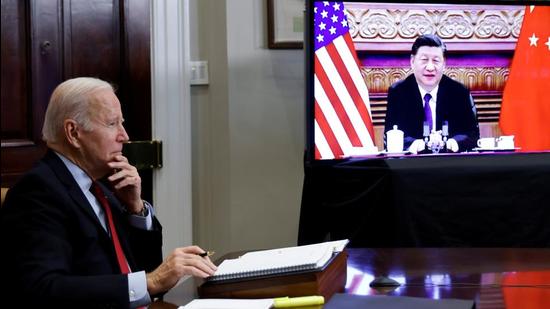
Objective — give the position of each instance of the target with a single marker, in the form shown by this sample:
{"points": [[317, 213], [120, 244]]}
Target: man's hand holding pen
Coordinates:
{"points": [[207, 254], [182, 261]]}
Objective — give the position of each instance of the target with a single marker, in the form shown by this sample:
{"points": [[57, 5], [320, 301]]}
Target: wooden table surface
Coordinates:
{"points": [[496, 278]]}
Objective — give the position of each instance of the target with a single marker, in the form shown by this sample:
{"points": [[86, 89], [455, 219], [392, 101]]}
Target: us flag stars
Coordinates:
{"points": [[330, 22]]}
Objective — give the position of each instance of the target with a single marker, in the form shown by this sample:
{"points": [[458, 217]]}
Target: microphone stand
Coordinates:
{"points": [[426, 135], [445, 134]]}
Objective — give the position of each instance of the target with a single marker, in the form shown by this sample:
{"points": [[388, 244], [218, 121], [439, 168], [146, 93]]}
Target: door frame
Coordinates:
{"points": [[171, 120]]}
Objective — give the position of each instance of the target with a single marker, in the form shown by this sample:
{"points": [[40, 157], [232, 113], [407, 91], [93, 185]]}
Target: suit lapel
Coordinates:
{"points": [[441, 107], [63, 174], [418, 105], [65, 177]]}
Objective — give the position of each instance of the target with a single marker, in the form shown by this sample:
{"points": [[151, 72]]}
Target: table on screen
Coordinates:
{"points": [[482, 200]]}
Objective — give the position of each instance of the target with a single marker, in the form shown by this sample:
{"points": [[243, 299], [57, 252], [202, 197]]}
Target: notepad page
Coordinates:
{"points": [[308, 257]]}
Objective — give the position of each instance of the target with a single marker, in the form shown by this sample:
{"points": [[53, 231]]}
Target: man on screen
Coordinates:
{"points": [[429, 96]]}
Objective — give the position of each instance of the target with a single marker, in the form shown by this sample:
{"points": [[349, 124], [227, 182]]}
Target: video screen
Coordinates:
{"points": [[396, 78]]}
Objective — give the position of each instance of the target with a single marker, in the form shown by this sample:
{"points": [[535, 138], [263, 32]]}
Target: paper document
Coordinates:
{"points": [[229, 304]]}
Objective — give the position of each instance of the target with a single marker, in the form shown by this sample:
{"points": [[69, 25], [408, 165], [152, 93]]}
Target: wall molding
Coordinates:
{"points": [[171, 113]]}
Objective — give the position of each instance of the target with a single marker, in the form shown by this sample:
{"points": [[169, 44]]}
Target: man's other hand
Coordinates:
{"points": [[417, 146], [452, 145], [182, 261]]}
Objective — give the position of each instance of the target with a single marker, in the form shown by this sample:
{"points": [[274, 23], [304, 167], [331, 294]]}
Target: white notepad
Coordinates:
{"points": [[278, 261]]}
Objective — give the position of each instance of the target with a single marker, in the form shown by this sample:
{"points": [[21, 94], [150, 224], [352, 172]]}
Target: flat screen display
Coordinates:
{"points": [[392, 78]]}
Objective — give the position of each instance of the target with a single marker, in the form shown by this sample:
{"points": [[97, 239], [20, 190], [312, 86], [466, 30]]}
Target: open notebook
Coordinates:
{"points": [[278, 261]]}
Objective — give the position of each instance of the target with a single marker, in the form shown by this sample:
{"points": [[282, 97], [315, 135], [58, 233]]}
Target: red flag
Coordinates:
{"points": [[535, 294], [525, 111], [343, 124]]}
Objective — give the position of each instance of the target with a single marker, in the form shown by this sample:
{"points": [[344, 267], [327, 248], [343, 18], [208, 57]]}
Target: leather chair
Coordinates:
{"points": [[4, 191]]}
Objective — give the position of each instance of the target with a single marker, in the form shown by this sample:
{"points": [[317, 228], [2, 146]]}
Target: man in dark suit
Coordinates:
{"points": [[71, 240], [428, 95]]}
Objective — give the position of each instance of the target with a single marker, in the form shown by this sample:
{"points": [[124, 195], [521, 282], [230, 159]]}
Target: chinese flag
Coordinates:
{"points": [[525, 110], [526, 289]]}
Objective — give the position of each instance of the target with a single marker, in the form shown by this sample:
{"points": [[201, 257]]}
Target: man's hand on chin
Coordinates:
{"points": [[126, 184]]}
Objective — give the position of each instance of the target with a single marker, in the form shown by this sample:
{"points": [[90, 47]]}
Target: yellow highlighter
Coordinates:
{"points": [[289, 302]]}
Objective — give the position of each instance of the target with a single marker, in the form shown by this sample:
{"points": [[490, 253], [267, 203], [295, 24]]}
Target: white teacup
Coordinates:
{"points": [[486, 143], [394, 140], [505, 142]]}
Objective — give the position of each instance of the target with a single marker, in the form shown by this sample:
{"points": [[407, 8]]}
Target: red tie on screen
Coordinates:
{"points": [[121, 258]]}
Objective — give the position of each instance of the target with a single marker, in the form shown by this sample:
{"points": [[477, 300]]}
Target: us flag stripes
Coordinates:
{"points": [[343, 123]]}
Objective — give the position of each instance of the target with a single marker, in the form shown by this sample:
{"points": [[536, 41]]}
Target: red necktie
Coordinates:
{"points": [[121, 258]]}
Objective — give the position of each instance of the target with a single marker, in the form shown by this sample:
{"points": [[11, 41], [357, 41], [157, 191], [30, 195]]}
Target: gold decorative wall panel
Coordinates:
{"points": [[461, 27], [485, 83], [477, 79]]}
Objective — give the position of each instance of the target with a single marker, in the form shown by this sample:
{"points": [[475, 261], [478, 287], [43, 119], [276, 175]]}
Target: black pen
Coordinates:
{"points": [[207, 253]]}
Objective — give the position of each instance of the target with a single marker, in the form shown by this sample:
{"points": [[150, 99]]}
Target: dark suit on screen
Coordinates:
{"points": [[454, 104], [53, 243]]}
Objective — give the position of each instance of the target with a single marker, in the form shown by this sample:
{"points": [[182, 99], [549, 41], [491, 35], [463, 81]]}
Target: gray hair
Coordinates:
{"points": [[71, 100]]}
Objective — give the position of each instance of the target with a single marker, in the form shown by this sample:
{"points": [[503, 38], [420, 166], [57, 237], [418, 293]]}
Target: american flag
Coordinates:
{"points": [[343, 123]]}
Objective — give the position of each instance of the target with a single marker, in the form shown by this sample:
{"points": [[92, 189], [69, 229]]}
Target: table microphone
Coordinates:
{"points": [[426, 131], [383, 281], [445, 134], [426, 134]]}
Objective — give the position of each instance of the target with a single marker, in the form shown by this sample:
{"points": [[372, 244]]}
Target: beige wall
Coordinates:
{"points": [[248, 130]]}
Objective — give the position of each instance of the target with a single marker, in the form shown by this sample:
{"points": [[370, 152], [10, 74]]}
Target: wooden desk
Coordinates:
{"points": [[497, 278]]}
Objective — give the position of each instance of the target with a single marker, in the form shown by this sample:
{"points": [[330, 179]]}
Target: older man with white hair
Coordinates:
{"points": [[74, 230]]}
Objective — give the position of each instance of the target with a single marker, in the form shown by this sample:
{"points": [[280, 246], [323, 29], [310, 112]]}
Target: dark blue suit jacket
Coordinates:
{"points": [[55, 253], [454, 104]]}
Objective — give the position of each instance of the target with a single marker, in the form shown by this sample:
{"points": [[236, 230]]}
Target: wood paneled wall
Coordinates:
{"points": [[47, 41]]}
